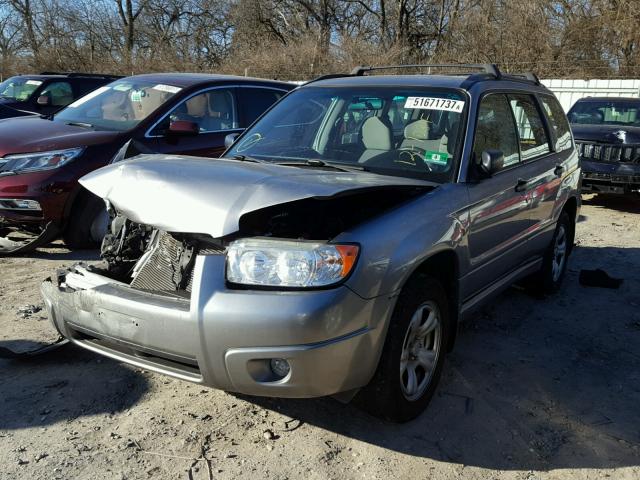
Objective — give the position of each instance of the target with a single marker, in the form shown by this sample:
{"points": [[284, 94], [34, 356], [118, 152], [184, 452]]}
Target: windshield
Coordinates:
{"points": [[606, 112], [18, 89], [118, 106], [411, 132]]}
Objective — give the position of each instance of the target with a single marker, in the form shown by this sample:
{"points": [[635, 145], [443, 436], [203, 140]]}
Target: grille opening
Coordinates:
{"points": [[169, 267], [605, 152]]}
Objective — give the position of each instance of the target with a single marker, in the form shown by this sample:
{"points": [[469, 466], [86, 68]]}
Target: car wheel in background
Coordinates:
{"points": [[413, 353], [88, 221]]}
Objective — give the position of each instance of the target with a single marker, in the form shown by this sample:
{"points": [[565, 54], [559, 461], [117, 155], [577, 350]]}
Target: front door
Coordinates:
{"points": [[499, 216], [216, 114]]}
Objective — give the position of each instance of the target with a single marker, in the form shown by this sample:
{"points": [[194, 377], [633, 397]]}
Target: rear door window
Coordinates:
{"points": [[558, 122], [531, 132], [254, 101], [495, 129]]}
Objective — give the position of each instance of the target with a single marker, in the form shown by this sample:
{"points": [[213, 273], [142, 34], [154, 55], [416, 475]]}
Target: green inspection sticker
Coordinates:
{"points": [[439, 158]]}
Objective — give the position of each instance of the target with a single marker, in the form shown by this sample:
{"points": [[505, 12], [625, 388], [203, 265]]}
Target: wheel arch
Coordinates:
{"points": [[443, 265]]}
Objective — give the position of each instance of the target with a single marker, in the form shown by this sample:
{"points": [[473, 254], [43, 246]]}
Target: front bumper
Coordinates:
{"points": [[223, 337], [612, 177], [42, 187]]}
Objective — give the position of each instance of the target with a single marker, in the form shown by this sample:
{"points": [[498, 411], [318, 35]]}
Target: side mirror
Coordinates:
{"points": [[183, 128], [230, 139], [491, 161], [44, 100]]}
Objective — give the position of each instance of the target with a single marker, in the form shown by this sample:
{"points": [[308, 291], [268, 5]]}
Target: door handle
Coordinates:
{"points": [[558, 171], [521, 186]]}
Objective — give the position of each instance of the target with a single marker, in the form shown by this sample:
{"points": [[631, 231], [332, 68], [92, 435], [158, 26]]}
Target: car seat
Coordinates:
{"points": [[221, 111], [416, 137], [377, 138]]}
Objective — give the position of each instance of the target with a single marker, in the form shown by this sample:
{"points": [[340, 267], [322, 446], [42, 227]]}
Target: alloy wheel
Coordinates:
{"points": [[420, 350]]}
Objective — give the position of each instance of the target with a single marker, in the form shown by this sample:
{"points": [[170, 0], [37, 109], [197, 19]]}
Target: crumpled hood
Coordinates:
{"points": [[198, 195]]}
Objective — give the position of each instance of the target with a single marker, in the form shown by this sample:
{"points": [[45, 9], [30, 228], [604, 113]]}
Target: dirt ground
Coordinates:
{"points": [[535, 389]]}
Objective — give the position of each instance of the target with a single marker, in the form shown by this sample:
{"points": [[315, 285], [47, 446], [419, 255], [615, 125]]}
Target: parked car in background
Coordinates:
{"points": [[47, 92], [607, 135], [41, 159], [337, 244]]}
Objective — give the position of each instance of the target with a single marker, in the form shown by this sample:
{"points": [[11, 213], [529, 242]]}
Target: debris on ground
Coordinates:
{"points": [[598, 278], [27, 310]]}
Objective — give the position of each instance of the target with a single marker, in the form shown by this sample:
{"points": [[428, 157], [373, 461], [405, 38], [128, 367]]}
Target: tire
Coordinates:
{"points": [[392, 394], [82, 230], [550, 276]]}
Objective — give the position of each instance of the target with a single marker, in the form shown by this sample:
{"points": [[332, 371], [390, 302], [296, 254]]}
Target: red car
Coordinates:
{"points": [[42, 158]]}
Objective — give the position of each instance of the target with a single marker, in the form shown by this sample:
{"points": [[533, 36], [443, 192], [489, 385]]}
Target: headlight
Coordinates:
{"points": [[38, 160], [284, 263]]}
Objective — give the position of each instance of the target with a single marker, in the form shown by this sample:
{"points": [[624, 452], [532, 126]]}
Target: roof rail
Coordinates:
{"points": [[532, 77], [489, 68]]}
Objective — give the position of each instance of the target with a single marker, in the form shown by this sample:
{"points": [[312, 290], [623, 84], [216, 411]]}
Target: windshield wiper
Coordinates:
{"points": [[246, 158], [47, 116], [316, 162], [80, 124]]}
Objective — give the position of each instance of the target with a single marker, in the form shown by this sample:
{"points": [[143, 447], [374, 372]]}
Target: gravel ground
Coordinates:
{"points": [[535, 389]]}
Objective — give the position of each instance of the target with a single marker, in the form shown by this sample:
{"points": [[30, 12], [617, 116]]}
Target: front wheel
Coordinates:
{"points": [[413, 354], [88, 222]]}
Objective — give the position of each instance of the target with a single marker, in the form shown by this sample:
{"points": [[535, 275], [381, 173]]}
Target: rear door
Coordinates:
{"points": [[253, 101], [543, 165], [499, 216]]}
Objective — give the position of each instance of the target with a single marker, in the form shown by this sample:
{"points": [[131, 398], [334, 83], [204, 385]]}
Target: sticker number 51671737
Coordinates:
{"points": [[432, 103]]}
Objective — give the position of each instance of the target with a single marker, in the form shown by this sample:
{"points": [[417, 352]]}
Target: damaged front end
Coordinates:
{"points": [[162, 299]]}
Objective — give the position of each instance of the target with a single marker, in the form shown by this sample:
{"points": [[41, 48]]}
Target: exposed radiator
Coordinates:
{"points": [[169, 267]]}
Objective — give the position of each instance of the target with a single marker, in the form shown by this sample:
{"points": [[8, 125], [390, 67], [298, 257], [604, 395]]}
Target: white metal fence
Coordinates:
{"points": [[569, 90]]}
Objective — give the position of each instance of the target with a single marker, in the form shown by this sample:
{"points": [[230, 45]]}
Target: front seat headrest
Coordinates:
{"points": [[376, 135], [418, 130]]}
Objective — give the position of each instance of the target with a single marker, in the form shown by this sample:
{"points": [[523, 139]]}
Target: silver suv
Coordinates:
{"points": [[338, 243]]}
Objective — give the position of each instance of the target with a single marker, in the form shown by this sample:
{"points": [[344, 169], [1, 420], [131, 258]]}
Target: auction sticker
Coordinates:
{"points": [[33, 82], [433, 103], [167, 88]]}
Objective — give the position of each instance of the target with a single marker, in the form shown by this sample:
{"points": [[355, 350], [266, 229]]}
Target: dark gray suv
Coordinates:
{"points": [[336, 246]]}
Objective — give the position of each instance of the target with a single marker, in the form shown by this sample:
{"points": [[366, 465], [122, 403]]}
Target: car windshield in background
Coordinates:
{"points": [[18, 89], [393, 131], [118, 106], [609, 112]]}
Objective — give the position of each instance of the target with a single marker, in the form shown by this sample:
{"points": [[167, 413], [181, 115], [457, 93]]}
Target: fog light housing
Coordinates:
{"points": [[280, 367]]}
